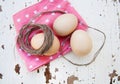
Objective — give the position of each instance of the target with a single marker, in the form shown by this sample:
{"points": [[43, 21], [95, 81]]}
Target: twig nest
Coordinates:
{"points": [[35, 45]]}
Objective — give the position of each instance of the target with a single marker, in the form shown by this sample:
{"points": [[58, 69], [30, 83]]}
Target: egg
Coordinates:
{"points": [[65, 24], [38, 39], [81, 43], [54, 48]]}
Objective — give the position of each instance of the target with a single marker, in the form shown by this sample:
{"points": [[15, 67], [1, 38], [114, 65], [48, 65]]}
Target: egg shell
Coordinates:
{"points": [[54, 48], [65, 24], [81, 43], [38, 39]]}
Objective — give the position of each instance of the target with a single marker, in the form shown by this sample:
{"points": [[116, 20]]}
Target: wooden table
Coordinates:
{"points": [[101, 14]]}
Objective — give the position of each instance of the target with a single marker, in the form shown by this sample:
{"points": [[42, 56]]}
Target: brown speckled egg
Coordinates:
{"points": [[81, 43]]}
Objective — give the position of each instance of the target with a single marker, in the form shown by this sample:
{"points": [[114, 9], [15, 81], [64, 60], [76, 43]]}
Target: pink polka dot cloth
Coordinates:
{"points": [[24, 16]]}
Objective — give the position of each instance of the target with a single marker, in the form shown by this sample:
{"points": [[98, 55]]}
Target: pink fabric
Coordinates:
{"points": [[25, 15]]}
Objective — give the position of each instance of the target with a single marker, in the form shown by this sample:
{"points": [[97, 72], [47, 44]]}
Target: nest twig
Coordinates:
{"points": [[24, 42]]}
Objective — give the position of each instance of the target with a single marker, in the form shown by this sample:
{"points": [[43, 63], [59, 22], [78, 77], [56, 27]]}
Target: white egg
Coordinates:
{"points": [[65, 24], [81, 43], [38, 39]]}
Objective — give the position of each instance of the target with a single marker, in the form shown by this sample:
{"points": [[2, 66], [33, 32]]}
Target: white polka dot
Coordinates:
{"points": [[18, 20], [51, 57], [47, 20], [66, 11], [35, 12], [51, 0], [20, 49], [26, 15], [71, 5], [59, 6], [59, 56], [45, 7], [30, 66], [81, 23], [37, 59], [53, 14], [33, 21], [28, 54]]}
